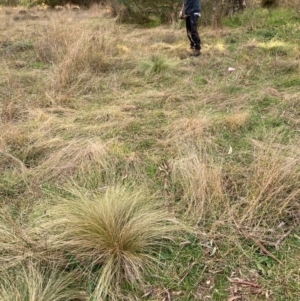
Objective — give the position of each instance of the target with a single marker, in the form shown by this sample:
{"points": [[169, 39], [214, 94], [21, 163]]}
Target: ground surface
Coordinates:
{"points": [[90, 103]]}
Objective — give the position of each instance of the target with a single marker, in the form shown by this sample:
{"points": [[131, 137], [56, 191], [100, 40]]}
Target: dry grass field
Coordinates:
{"points": [[131, 171]]}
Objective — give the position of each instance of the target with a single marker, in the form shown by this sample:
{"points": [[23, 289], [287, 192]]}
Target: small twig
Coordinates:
{"points": [[234, 298], [147, 294], [282, 238], [279, 241], [243, 282], [257, 242], [168, 295], [187, 272]]}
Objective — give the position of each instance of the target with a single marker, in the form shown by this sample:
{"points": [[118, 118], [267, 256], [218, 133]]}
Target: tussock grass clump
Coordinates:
{"points": [[188, 129], [8, 111], [79, 155], [34, 282], [218, 48], [236, 120], [83, 60], [272, 187], [52, 42], [155, 65], [118, 233], [16, 243], [199, 181], [77, 54]]}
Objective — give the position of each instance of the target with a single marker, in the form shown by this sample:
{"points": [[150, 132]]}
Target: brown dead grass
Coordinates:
{"points": [[236, 120], [188, 129], [76, 156], [273, 187], [199, 181]]}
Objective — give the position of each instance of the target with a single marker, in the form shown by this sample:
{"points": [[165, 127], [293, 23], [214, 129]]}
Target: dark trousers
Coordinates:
{"points": [[192, 31]]}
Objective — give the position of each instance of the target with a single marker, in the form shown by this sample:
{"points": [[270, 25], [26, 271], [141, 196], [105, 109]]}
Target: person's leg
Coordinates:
{"points": [[194, 31], [189, 31]]}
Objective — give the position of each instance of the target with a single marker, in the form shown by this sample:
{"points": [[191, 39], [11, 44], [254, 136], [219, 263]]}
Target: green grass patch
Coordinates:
{"points": [[295, 82]]}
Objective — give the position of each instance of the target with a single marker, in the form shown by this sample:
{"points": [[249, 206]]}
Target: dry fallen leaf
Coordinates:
{"points": [[234, 298]]}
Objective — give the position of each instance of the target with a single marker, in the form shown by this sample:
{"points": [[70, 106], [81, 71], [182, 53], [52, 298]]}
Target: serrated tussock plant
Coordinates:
{"points": [[119, 233], [155, 65], [273, 186], [16, 243], [33, 282], [81, 155], [198, 179]]}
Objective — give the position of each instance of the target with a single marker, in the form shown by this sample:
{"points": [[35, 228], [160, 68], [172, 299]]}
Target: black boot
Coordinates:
{"points": [[196, 52]]}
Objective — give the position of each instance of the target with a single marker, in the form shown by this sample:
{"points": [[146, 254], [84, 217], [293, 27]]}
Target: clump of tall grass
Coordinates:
{"points": [[78, 56], [33, 282], [198, 179], [118, 233], [77, 156], [272, 187], [83, 60], [236, 120], [8, 111], [155, 65], [265, 192], [188, 129], [52, 42], [16, 242]]}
